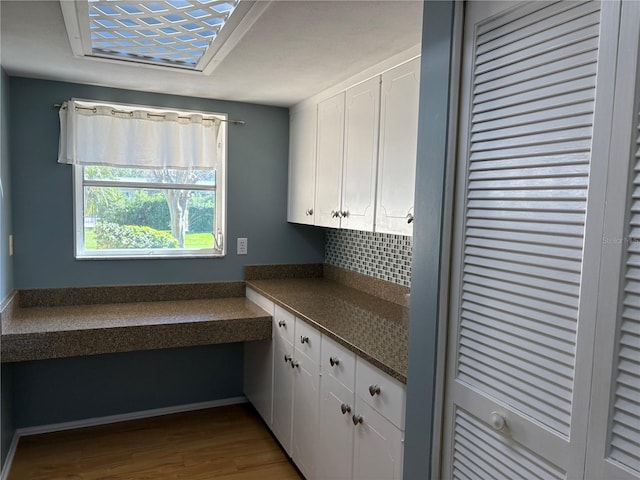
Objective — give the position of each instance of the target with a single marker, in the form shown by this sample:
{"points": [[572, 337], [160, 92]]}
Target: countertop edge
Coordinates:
{"points": [[47, 344], [354, 348]]}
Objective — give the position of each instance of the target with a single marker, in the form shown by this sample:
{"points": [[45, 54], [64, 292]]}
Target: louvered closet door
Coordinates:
{"points": [[524, 267], [614, 429]]}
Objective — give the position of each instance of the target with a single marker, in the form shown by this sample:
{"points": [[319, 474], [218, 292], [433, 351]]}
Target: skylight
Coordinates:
{"points": [[163, 32]]}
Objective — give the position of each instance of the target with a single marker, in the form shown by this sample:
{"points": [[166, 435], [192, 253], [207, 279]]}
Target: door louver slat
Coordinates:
{"points": [[540, 106], [482, 453], [559, 24], [523, 16], [535, 95], [517, 333]]}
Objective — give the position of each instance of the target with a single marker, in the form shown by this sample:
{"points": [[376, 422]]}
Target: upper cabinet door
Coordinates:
{"points": [[329, 161], [302, 165], [362, 118], [398, 147]]}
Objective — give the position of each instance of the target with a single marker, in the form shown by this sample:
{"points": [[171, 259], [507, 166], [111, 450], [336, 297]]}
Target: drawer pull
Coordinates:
{"points": [[287, 358], [304, 339], [374, 390], [333, 361], [282, 323], [357, 419], [345, 408]]}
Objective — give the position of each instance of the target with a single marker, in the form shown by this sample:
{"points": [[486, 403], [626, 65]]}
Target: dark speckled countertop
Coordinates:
{"points": [[40, 332], [366, 315], [373, 328]]}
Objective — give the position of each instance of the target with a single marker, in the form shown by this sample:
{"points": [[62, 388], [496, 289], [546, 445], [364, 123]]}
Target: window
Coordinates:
{"points": [[148, 183]]}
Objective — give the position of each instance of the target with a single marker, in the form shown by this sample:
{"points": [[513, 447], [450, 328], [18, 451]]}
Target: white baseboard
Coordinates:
{"points": [[92, 422]]}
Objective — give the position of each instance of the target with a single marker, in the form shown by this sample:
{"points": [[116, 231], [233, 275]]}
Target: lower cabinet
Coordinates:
{"points": [[283, 385], [378, 445], [306, 395], [336, 416], [336, 430]]}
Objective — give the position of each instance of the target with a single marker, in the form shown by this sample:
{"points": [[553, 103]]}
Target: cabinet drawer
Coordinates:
{"points": [[261, 301], [338, 362], [284, 323], [307, 340], [389, 395]]}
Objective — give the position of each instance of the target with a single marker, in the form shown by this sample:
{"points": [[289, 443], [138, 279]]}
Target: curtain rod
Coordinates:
{"points": [[235, 122]]}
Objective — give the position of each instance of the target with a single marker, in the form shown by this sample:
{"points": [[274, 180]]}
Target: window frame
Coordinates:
{"points": [[220, 210]]}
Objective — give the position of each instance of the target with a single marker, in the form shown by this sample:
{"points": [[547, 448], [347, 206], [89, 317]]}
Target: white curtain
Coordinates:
{"points": [[102, 134]]}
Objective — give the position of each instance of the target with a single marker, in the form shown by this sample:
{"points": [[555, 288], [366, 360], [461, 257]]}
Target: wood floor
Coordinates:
{"points": [[225, 443]]}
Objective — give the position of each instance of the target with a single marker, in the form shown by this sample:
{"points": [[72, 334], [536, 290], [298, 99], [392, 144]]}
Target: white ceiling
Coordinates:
{"points": [[294, 50]]}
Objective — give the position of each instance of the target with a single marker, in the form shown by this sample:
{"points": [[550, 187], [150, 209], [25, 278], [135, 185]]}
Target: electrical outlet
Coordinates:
{"points": [[242, 246]]}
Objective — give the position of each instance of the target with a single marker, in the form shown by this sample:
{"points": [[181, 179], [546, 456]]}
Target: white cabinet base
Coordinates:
{"points": [[336, 430], [378, 446], [282, 393], [306, 394]]}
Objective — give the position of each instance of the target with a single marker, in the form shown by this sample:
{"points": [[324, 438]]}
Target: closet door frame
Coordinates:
{"points": [[557, 449], [621, 162]]}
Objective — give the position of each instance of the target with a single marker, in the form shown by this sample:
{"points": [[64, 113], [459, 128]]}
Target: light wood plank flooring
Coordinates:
{"points": [[225, 443]]}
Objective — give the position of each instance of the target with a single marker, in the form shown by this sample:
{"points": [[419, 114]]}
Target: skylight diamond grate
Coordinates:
{"points": [[171, 32]]}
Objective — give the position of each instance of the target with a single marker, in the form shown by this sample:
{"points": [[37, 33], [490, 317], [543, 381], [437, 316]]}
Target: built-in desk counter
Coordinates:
{"points": [[42, 324]]}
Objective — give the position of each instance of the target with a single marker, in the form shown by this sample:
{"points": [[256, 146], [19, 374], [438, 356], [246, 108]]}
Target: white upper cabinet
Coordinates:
{"points": [[352, 156], [302, 165], [329, 162], [398, 148], [362, 117]]}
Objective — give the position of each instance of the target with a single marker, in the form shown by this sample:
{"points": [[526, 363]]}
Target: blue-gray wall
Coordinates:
{"points": [[428, 233], [43, 200], [67, 389], [6, 262]]}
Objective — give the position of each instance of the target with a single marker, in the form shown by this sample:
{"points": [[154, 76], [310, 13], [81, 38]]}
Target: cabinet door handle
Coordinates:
{"points": [[287, 358], [374, 390], [356, 419], [282, 323], [304, 339], [409, 218], [295, 364], [308, 212], [345, 408], [335, 214], [344, 213], [333, 361]]}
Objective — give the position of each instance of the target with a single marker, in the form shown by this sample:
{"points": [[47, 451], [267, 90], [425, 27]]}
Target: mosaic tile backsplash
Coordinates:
{"points": [[378, 255]]}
